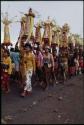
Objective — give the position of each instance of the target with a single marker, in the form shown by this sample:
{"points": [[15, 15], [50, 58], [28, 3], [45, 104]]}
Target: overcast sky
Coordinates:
{"points": [[70, 12]]}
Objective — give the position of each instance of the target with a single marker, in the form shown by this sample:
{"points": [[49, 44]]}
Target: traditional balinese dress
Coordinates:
{"points": [[6, 72]]}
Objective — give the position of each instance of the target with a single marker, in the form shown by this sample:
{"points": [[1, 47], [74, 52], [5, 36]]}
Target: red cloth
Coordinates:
{"points": [[81, 63], [72, 70], [5, 81]]}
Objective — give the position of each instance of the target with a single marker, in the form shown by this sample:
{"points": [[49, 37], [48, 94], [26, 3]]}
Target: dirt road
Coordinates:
{"points": [[59, 104]]}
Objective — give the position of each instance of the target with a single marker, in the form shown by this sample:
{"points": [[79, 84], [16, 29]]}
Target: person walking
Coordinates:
{"points": [[6, 71], [29, 65]]}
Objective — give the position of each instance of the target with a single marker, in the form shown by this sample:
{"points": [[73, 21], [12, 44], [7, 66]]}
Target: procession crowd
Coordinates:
{"points": [[39, 66]]}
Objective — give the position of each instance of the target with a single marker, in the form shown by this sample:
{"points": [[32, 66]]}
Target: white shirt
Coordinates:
{"points": [[57, 48]]}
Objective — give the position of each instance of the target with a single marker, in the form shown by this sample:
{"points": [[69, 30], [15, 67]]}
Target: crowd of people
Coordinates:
{"points": [[39, 66]]}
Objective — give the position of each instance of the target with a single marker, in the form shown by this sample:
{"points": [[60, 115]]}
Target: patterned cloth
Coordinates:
{"points": [[39, 60], [28, 86]]}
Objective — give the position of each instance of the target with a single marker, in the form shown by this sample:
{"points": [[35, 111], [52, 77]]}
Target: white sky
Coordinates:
{"points": [[70, 12]]}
